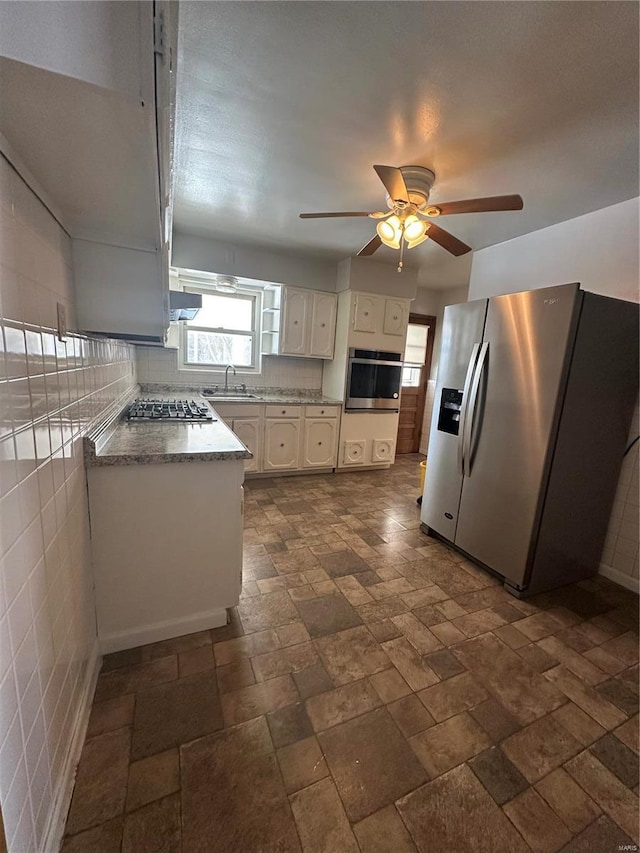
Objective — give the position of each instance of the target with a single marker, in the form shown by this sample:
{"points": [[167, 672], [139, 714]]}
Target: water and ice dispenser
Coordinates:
{"points": [[449, 414]]}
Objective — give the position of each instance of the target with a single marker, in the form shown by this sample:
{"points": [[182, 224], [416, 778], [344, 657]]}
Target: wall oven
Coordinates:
{"points": [[373, 380]]}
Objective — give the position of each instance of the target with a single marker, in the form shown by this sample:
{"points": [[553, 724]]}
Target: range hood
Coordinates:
{"points": [[183, 306]]}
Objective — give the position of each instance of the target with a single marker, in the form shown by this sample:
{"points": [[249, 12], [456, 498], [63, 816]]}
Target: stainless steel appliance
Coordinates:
{"points": [[373, 380], [533, 405], [169, 410]]}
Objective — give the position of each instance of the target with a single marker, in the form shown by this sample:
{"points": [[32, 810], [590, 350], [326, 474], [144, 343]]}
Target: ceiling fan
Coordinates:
{"points": [[408, 189]]}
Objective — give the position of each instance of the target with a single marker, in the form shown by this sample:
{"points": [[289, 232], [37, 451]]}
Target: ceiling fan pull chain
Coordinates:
{"points": [[401, 261]]}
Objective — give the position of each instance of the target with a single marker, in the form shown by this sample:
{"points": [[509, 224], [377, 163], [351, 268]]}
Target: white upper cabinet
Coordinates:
{"points": [[294, 330], [308, 323], [378, 322], [323, 325], [396, 317], [368, 313]]}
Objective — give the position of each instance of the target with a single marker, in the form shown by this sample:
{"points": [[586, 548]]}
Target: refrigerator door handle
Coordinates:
{"points": [[465, 406], [471, 410]]}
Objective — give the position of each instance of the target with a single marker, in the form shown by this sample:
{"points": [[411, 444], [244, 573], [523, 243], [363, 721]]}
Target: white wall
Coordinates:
{"points": [[599, 250], [218, 256], [50, 391]]}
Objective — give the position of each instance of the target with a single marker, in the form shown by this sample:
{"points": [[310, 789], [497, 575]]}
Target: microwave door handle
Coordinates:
{"points": [[471, 409], [464, 407]]}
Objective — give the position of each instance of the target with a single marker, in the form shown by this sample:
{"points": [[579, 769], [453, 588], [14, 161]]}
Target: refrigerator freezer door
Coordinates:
{"points": [[461, 337], [514, 418]]}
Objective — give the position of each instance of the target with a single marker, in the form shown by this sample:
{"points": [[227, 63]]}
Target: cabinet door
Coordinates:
{"points": [[320, 443], [295, 324], [366, 313], [281, 445], [248, 431], [323, 325], [395, 317], [354, 452]]}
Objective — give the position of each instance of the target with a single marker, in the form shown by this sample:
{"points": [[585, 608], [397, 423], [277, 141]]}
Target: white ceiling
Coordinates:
{"points": [[283, 107]]}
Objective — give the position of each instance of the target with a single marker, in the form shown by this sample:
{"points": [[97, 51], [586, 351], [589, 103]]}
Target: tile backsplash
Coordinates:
{"points": [[50, 392], [160, 366]]}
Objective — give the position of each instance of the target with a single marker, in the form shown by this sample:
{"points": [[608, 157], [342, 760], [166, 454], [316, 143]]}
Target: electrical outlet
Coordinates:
{"points": [[62, 321]]}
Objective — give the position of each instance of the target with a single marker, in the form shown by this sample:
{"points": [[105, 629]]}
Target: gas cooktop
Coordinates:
{"points": [[169, 410]]}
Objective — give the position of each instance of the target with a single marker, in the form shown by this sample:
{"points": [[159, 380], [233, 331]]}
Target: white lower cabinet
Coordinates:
{"points": [[248, 431], [382, 450], [284, 437], [354, 452], [320, 439], [281, 445], [368, 439]]}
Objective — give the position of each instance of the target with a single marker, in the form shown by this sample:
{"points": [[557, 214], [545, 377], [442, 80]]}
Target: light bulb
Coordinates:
{"points": [[390, 231], [414, 228]]}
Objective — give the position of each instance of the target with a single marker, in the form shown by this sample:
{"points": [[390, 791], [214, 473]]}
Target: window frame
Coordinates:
{"points": [[253, 293]]}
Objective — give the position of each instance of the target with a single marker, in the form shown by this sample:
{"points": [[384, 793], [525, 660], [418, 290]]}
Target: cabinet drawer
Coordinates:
{"points": [[321, 411], [282, 411]]}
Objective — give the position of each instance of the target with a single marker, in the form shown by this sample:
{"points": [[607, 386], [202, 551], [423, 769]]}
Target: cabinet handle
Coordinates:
{"points": [[322, 411], [284, 411], [366, 313], [295, 322], [282, 445], [395, 316], [319, 444], [323, 325]]}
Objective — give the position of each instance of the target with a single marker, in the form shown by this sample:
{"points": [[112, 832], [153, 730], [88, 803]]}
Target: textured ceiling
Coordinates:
{"points": [[284, 107]]}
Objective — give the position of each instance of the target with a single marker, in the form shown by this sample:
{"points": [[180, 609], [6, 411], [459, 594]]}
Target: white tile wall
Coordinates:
{"points": [[161, 366], [49, 393]]}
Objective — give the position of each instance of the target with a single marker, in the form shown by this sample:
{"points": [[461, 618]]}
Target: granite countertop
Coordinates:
{"points": [[290, 399], [148, 443], [289, 396]]}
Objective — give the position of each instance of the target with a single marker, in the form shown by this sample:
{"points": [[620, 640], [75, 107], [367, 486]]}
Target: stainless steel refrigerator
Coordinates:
{"points": [[533, 404]]}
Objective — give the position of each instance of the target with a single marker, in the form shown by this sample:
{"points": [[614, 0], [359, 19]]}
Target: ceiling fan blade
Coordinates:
{"points": [[373, 244], [481, 205], [394, 183], [340, 213], [447, 241]]}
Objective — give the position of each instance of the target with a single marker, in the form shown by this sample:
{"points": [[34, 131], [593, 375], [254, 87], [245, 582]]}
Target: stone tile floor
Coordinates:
{"points": [[373, 691]]}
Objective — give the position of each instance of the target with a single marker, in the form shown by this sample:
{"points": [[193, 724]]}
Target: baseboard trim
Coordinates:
{"points": [[158, 631], [620, 578], [54, 830]]}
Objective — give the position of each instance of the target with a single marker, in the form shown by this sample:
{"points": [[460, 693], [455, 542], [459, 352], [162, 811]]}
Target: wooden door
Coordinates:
{"points": [[415, 376]]}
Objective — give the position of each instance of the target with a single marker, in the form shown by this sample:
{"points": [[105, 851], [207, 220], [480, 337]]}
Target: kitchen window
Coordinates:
{"points": [[225, 331], [415, 354]]}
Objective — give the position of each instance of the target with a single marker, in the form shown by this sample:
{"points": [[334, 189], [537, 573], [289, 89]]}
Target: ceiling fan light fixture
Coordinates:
{"points": [[390, 231]]}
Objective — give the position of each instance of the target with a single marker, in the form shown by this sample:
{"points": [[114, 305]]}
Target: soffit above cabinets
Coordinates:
{"points": [[283, 107]]}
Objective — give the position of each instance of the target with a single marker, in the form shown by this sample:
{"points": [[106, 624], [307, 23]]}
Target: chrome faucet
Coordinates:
{"points": [[226, 375]]}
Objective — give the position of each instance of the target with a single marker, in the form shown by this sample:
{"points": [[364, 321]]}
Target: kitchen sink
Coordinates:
{"points": [[229, 394]]}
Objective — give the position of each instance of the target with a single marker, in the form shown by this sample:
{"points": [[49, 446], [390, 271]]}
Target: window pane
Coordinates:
{"points": [[411, 376], [219, 348], [416, 348], [225, 312]]}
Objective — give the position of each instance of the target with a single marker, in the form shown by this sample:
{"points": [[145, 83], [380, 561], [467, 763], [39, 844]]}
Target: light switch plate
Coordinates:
{"points": [[62, 321]]}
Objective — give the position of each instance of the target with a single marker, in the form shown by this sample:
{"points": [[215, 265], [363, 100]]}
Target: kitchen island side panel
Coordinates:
{"points": [[167, 548]]}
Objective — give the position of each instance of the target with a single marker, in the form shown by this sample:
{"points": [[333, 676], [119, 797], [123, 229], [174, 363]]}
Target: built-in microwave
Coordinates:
{"points": [[373, 380]]}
